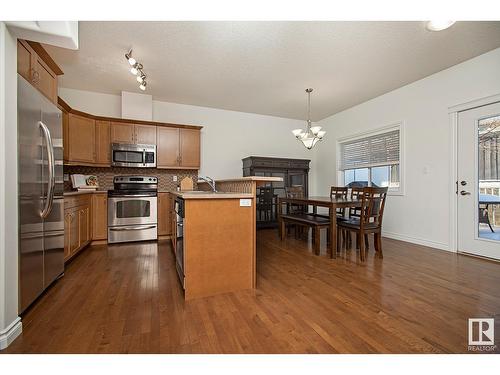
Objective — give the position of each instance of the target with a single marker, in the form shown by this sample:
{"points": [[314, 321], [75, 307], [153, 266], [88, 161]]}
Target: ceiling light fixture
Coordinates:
{"points": [[141, 77], [438, 25], [312, 134], [129, 58], [137, 70]]}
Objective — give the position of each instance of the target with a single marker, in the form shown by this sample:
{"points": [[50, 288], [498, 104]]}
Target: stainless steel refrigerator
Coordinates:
{"points": [[41, 202]]}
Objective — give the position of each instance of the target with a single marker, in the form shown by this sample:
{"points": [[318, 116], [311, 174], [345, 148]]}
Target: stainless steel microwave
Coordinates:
{"points": [[128, 155]]}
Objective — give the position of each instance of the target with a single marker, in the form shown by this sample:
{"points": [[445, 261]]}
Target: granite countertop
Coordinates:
{"points": [[76, 192], [248, 178], [210, 195]]}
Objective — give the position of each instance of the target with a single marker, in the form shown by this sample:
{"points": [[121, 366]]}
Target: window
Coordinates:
{"points": [[372, 160]]}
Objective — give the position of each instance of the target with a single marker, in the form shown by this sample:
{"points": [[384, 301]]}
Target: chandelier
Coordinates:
{"points": [[312, 134]]}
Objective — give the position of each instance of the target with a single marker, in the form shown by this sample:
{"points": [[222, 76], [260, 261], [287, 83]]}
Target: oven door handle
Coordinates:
{"points": [[120, 229]]}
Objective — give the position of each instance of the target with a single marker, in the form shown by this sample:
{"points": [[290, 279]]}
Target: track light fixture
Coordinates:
{"points": [[137, 70]]}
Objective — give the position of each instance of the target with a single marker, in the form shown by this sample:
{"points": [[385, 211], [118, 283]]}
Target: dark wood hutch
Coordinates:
{"points": [[295, 172]]}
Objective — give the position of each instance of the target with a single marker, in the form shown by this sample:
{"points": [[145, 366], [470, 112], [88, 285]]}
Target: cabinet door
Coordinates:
{"points": [[84, 225], [190, 148], [167, 149], [47, 80], [24, 60], [67, 234], [145, 134], [74, 240], [164, 214], [99, 216], [102, 143], [81, 139], [122, 132]]}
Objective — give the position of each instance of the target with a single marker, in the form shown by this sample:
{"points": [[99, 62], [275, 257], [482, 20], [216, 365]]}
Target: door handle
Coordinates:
{"points": [[120, 229], [51, 180], [463, 192]]}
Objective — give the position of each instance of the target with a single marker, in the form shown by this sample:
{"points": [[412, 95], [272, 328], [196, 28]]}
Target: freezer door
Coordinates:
{"points": [[30, 194], [52, 173]]}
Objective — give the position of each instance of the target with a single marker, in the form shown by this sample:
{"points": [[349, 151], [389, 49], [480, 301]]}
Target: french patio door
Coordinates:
{"points": [[478, 185]]}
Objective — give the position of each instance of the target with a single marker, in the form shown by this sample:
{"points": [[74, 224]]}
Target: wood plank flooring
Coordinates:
{"points": [[127, 299]]}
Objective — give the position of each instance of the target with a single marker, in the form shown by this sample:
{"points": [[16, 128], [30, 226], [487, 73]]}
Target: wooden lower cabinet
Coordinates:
{"points": [[77, 229], [99, 216], [164, 214]]}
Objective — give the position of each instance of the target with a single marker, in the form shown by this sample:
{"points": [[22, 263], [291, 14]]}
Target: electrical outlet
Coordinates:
{"points": [[174, 178], [66, 177]]}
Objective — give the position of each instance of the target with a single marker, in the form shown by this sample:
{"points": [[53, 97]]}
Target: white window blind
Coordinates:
{"points": [[372, 151]]}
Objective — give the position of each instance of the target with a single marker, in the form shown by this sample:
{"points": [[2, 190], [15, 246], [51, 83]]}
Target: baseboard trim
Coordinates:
{"points": [[99, 242], [418, 241], [9, 334]]}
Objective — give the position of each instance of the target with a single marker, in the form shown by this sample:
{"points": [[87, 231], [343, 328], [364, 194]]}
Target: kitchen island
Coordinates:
{"points": [[214, 237]]}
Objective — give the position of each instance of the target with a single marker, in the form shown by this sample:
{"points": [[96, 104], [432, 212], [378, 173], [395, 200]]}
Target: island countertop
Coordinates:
{"points": [[211, 195], [249, 178]]}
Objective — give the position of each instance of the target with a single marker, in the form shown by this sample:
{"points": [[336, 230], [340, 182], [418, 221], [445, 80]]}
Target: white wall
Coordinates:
{"points": [[227, 136], [8, 189], [422, 215]]}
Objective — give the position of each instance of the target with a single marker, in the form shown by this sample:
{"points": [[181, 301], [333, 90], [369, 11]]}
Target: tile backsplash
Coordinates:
{"points": [[105, 175]]}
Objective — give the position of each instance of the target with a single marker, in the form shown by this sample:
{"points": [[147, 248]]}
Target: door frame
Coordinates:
{"points": [[453, 112]]}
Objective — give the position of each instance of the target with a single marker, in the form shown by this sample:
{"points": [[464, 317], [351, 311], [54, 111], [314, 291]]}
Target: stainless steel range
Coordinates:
{"points": [[132, 209]]}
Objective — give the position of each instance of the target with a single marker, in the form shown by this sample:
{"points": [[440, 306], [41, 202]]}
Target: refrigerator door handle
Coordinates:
{"points": [[51, 181]]}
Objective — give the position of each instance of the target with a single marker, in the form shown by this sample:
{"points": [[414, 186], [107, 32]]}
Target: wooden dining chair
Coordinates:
{"points": [[295, 192], [355, 213], [369, 220], [265, 203], [339, 192]]}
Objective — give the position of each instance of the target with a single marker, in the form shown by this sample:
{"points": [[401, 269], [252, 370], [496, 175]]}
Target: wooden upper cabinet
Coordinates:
{"points": [[102, 143], [24, 59], [190, 148], [37, 67], [145, 134], [81, 139], [122, 132], [65, 123], [167, 150], [47, 80]]}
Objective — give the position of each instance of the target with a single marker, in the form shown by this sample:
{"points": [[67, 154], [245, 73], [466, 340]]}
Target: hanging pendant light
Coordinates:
{"points": [[312, 134]]}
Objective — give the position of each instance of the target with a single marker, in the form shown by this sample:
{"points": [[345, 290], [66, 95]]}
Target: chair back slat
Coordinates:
{"points": [[373, 203], [295, 192], [356, 193], [339, 192]]}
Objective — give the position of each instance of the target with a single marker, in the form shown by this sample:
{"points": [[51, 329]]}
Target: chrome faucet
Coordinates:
{"points": [[210, 181]]}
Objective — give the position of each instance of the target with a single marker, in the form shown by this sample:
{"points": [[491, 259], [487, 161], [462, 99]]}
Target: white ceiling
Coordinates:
{"points": [[264, 67]]}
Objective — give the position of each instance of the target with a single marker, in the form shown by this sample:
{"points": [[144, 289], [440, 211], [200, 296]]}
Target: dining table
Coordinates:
{"points": [[332, 203]]}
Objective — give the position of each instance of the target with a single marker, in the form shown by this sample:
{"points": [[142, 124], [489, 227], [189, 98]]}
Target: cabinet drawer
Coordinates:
{"points": [[281, 164], [262, 163], [76, 200]]}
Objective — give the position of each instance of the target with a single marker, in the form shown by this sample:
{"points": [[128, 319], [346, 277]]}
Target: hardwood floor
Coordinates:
{"points": [[127, 299]]}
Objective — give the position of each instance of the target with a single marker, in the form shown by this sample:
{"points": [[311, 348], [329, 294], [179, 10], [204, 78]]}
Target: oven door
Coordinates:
{"points": [[132, 210]]}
